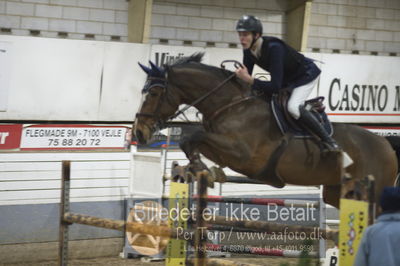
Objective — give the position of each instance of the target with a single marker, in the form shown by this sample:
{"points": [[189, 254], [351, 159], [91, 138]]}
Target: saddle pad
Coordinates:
{"points": [[299, 132]]}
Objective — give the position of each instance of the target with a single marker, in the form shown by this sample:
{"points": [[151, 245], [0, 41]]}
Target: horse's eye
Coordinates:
{"points": [[153, 94]]}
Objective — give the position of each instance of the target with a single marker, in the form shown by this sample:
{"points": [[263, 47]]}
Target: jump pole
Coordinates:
{"points": [[120, 225], [240, 180], [263, 201]]}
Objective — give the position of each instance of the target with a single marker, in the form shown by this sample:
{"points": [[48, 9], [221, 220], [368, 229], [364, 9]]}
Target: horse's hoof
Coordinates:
{"points": [[205, 173], [277, 184], [197, 166], [210, 180], [218, 174]]}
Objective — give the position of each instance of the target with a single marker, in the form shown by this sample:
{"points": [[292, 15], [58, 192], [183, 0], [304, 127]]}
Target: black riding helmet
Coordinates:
{"points": [[249, 23]]}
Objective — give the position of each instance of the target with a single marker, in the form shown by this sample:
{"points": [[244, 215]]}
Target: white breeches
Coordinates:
{"points": [[299, 96]]}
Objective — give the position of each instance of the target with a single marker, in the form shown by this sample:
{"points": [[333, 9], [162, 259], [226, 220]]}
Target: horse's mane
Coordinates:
{"points": [[196, 58], [194, 61]]}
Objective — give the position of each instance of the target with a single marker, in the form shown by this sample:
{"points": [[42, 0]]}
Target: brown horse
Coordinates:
{"points": [[240, 132]]}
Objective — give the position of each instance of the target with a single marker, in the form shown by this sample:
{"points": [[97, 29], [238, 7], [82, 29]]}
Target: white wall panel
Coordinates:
{"points": [[53, 79], [122, 82], [56, 184], [23, 196], [28, 178], [146, 175], [54, 175]]}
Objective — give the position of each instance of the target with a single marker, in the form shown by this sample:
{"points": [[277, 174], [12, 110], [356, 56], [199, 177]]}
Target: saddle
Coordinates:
{"points": [[287, 124], [290, 127]]}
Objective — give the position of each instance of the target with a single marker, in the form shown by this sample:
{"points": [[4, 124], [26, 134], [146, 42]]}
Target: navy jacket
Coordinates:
{"points": [[288, 68]]}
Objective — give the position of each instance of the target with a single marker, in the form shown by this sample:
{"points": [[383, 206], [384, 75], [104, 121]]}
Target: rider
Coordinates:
{"points": [[288, 69]]}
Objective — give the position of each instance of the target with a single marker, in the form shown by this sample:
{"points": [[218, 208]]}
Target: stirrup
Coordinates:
{"points": [[330, 147]]}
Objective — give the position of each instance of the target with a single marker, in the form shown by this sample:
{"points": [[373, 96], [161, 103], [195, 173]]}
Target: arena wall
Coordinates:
{"points": [[345, 26], [100, 20]]}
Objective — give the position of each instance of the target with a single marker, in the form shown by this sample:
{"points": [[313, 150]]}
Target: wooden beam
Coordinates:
{"points": [[298, 19], [139, 20], [200, 239]]}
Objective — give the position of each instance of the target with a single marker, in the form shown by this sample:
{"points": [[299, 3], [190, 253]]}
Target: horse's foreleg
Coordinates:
{"points": [[215, 147], [189, 145]]}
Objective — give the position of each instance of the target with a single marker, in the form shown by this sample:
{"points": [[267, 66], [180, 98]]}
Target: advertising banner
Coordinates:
{"points": [[361, 89], [10, 136], [74, 137], [384, 131]]}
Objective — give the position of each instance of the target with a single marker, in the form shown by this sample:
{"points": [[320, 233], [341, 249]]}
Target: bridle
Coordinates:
{"points": [[163, 84]]}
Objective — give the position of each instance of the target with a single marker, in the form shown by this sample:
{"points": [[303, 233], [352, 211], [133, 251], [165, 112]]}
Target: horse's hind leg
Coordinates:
{"points": [[331, 195]]}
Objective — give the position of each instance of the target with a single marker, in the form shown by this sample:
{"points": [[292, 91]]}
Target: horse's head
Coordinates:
{"points": [[158, 103]]}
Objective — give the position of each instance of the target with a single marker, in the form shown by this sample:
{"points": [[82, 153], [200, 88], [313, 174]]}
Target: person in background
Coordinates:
{"points": [[380, 242], [288, 69]]}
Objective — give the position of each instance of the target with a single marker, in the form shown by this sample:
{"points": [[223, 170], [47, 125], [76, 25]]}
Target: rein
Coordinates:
{"points": [[201, 98], [236, 64], [223, 108]]}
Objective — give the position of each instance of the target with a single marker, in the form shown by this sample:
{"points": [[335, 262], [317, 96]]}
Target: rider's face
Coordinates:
{"points": [[246, 38]]}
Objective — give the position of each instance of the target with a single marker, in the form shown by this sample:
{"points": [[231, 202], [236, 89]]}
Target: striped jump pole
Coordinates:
{"points": [[220, 262], [260, 251], [263, 201], [241, 180]]}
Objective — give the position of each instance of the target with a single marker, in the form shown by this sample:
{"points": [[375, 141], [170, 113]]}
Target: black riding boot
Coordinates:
{"points": [[312, 124]]}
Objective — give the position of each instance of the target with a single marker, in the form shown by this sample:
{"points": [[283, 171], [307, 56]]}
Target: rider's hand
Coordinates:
{"points": [[244, 75]]}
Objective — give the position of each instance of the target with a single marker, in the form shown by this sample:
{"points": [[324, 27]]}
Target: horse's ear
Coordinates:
{"points": [[155, 68], [145, 68]]}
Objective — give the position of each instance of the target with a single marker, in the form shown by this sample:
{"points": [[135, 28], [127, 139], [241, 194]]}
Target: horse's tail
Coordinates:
{"points": [[395, 142]]}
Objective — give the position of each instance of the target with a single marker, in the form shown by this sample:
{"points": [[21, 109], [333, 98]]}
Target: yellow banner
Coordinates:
{"points": [[178, 200], [353, 222]]}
